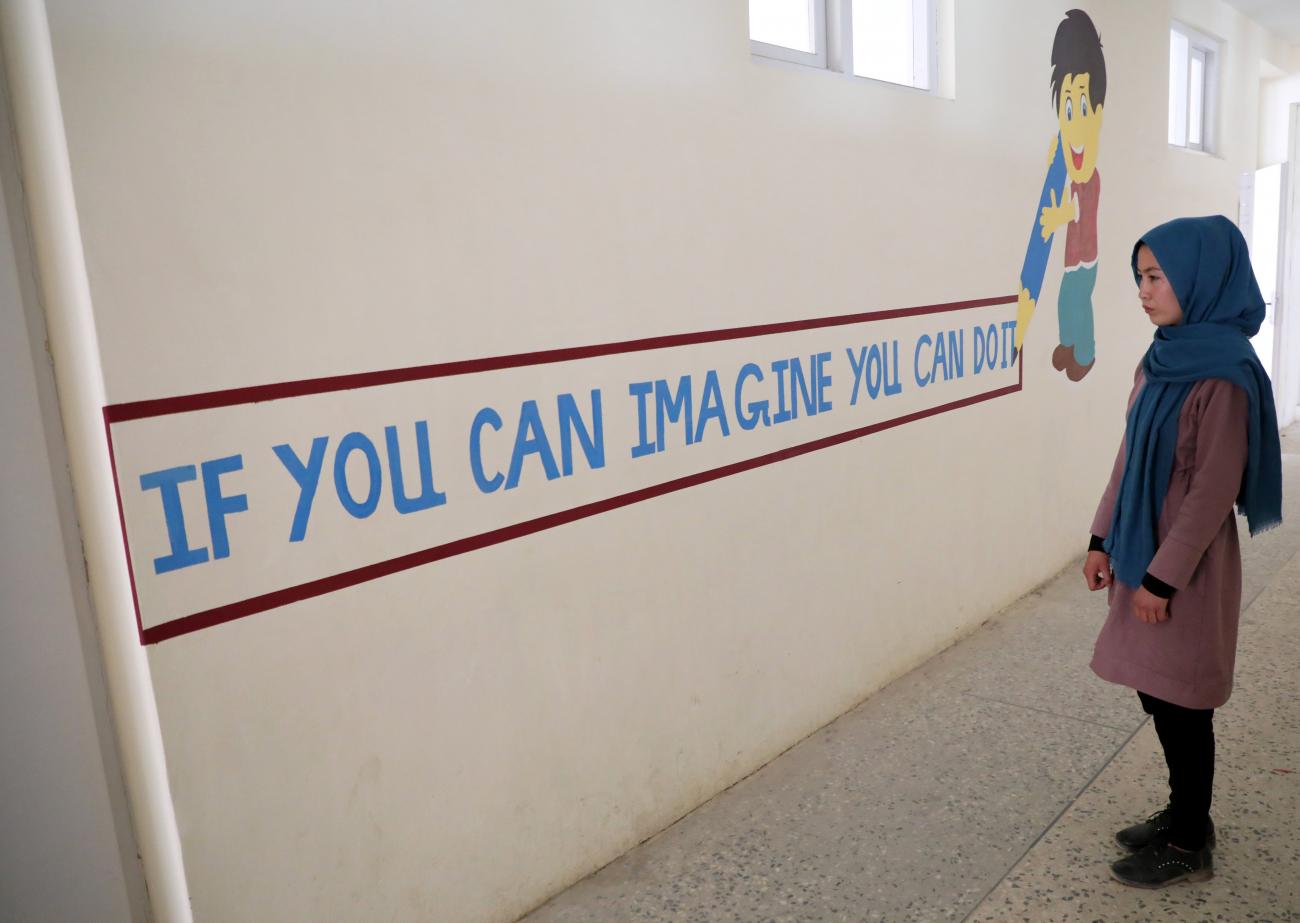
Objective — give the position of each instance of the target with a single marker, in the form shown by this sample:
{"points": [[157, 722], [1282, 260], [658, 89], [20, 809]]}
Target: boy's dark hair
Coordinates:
{"points": [[1077, 50]]}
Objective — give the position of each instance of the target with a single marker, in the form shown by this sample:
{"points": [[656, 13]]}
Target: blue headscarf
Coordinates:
{"points": [[1206, 263]]}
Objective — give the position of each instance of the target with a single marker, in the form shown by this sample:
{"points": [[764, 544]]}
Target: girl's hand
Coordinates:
{"points": [[1149, 608], [1096, 570]]}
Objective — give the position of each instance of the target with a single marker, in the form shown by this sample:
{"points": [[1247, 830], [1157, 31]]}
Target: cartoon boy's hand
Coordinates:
{"points": [[1054, 216]]}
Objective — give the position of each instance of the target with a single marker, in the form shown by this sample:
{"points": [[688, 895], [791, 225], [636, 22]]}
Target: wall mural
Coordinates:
{"points": [[240, 501], [1070, 197]]}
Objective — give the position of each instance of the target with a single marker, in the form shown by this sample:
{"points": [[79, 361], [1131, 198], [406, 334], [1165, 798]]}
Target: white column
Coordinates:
{"points": [[65, 293]]}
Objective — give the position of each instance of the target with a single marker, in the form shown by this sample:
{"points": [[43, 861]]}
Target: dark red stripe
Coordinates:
{"points": [[121, 519], [135, 410], [227, 613]]}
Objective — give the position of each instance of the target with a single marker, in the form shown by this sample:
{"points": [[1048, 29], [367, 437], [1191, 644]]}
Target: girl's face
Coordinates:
{"points": [[1158, 298]]}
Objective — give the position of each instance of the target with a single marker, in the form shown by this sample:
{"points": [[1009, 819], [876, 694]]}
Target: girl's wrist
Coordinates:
{"points": [[1157, 587]]}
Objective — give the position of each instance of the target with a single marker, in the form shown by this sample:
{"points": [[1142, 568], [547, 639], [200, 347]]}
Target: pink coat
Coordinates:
{"points": [[1187, 660]]}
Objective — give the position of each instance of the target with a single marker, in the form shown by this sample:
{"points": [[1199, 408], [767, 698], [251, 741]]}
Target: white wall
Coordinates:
{"points": [[66, 851], [280, 191]]}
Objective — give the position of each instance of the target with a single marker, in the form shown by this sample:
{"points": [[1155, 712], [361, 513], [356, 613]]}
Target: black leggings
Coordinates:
{"points": [[1187, 736]]}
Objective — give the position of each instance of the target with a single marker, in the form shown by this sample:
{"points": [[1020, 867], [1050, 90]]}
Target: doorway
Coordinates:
{"points": [[1262, 222], [1269, 211]]}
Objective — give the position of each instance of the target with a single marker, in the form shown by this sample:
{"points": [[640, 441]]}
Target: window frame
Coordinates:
{"points": [[816, 58], [1209, 51], [925, 44], [1196, 56], [833, 41]]}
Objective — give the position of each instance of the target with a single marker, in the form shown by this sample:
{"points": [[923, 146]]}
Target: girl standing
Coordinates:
{"points": [[1201, 434]]}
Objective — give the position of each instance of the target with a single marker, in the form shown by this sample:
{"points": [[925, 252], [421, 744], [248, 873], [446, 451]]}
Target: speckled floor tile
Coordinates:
{"points": [[1257, 799], [1263, 555], [1053, 628], [987, 784], [871, 819]]}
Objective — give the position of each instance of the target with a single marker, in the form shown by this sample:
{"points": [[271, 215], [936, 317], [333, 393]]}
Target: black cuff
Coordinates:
{"points": [[1157, 587], [1097, 543]]}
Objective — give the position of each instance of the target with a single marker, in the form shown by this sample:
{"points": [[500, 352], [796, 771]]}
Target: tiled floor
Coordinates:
{"points": [[986, 786]]}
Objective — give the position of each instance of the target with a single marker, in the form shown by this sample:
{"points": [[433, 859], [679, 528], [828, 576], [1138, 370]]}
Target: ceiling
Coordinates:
{"points": [[1279, 16]]}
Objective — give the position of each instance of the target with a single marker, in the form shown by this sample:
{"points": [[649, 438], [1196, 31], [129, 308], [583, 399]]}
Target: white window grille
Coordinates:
{"points": [[1193, 88], [889, 40], [789, 30]]}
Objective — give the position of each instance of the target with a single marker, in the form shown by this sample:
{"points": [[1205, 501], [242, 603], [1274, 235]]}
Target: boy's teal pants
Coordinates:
{"points": [[1074, 312]]}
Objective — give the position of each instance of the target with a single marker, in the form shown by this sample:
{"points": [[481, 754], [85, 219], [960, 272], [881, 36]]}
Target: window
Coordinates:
{"points": [[890, 40], [1193, 83], [789, 30]]}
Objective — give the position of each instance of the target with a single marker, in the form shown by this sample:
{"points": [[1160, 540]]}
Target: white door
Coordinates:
{"points": [[1262, 223]]}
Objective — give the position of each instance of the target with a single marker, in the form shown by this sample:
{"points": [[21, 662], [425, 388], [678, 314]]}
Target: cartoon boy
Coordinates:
{"points": [[1078, 91]]}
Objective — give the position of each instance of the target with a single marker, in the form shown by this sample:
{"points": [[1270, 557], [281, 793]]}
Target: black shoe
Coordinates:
{"points": [[1161, 864], [1156, 827]]}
